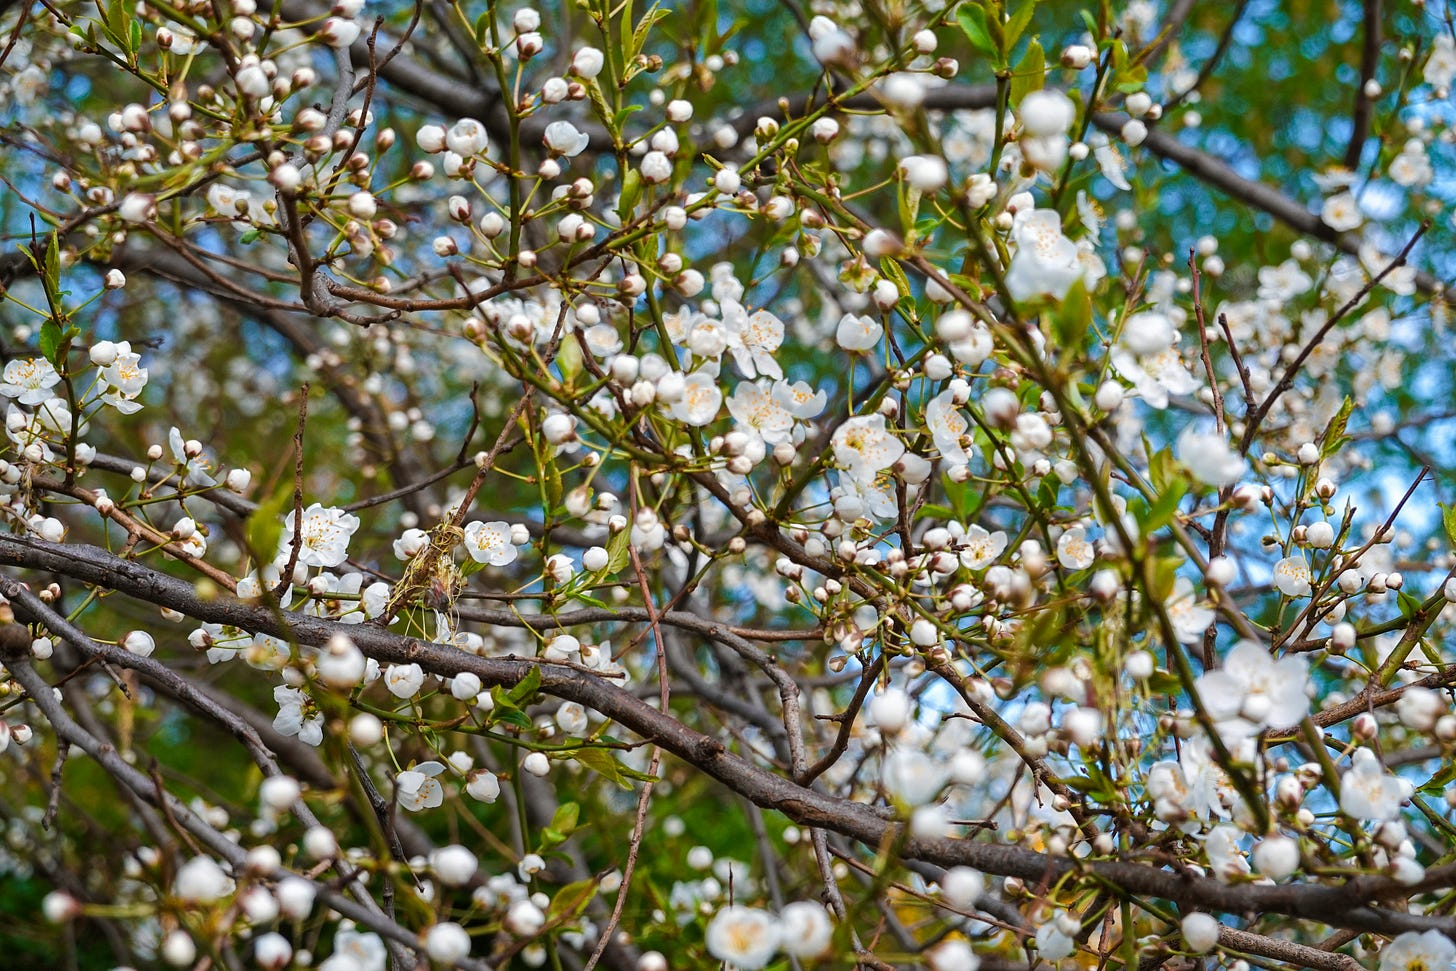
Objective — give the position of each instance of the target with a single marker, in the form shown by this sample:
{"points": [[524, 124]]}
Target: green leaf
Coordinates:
{"points": [[51, 272], [1441, 780], [1164, 683], [1165, 574], [513, 716], [631, 192], [571, 900], [1072, 317], [1334, 437], [1017, 24], [554, 488], [970, 286], [569, 360], [639, 36], [619, 553], [265, 525], [1448, 521], [506, 710], [116, 22], [935, 512], [600, 761], [563, 824], [624, 29], [624, 114], [1163, 469], [1161, 512], [526, 688], [565, 818], [50, 341], [972, 20], [1030, 72]]}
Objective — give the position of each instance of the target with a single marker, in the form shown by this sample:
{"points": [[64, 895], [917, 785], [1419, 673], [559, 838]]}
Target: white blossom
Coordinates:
{"points": [[1368, 792], [863, 446], [297, 715], [490, 543], [404, 680], [743, 936], [858, 332], [1419, 950], [1292, 576], [201, 881], [563, 138], [323, 537], [1341, 213], [807, 929], [1251, 690], [979, 548], [947, 425], [1045, 262], [701, 399], [1074, 551], [1209, 457], [419, 788], [29, 380]]}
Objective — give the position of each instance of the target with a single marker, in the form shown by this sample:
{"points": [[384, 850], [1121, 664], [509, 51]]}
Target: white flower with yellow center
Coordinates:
{"points": [[323, 535], [863, 446], [708, 338], [404, 680], [1074, 551], [1190, 618], [1423, 951], [1155, 375], [755, 406], [1046, 263], [1252, 690], [745, 937], [700, 401], [981, 548], [1291, 576], [489, 543], [858, 332], [124, 379], [1209, 457], [1368, 792], [755, 338], [807, 930], [297, 715], [418, 788], [1439, 72], [29, 380], [947, 426], [800, 399], [1341, 213]]}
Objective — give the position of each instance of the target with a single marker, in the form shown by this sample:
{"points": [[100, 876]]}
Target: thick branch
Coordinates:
{"points": [[1348, 905]]}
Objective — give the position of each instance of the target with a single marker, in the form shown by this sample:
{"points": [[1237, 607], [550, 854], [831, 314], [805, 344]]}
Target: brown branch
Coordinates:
{"points": [[1286, 381], [1300, 955], [1350, 904], [1364, 105]]}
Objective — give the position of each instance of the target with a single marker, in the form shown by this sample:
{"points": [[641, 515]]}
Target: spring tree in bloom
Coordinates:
{"points": [[954, 484]]}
